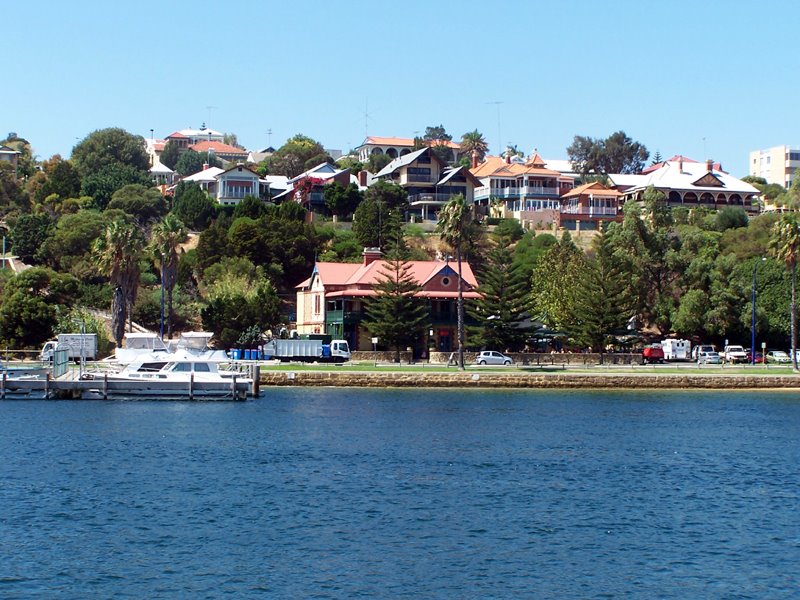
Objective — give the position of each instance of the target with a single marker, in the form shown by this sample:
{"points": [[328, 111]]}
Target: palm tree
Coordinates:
{"points": [[454, 221], [167, 236], [785, 246], [474, 144], [116, 253]]}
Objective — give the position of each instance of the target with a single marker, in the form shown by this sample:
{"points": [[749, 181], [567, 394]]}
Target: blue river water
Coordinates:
{"points": [[342, 493]]}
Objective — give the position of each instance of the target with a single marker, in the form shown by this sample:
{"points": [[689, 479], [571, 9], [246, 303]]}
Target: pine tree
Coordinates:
{"points": [[603, 304], [553, 283], [396, 315], [501, 309]]}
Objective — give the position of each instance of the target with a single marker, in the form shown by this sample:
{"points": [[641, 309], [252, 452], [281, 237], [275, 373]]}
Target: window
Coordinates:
{"points": [[419, 171], [202, 368], [317, 304]]}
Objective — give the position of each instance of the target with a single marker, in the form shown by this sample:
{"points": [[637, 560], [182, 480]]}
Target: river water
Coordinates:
{"points": [[342, 493]]}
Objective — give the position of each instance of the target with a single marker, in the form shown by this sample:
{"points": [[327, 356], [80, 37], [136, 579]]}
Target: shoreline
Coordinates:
{"points": [[563, 380]]}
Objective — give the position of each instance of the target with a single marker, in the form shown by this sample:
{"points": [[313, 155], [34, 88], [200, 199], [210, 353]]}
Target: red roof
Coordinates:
{"points": [[217, 147], [358, 277], [175, 136]]}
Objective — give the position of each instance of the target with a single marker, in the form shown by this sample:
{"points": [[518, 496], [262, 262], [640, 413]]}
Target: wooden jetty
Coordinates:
{"points": [[105, 386]]}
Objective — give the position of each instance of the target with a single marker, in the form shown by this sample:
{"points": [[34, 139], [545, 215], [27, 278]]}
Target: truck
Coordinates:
{"points": [[79, 345], [734, 354], [676, 349], [306, 350], [654, 353]]}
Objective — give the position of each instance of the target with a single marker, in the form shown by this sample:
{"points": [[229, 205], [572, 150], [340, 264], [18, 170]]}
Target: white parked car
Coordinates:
{"points": [[490, 357], [735, 354], [708, 357]]}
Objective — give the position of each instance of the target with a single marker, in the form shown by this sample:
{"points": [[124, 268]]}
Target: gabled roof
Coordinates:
{"points": [[161, 168], [358, 278], [7, 150], [591, 188], [684, 175], [496, 166], [677, 159], [323, 170], [409, 158], [206, 175], [450, 172], [217, 148], [239, 168], [396, 141]]}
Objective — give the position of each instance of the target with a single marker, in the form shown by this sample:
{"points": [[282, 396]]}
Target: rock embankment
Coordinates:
{"points": [[460, 379]]}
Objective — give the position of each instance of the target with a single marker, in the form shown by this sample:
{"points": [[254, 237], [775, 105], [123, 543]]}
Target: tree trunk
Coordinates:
{"points": [[169, 313], [794, 316], [460, 310], [118, 316]]}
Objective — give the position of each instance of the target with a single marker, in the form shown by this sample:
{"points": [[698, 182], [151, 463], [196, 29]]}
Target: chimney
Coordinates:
{"points": [[474, 159], [709, 165], [205, 166], [362, 178], [371, 255], [508, 157], [680, 164]]}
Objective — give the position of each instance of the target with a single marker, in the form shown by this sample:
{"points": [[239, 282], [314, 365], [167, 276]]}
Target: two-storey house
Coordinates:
{"points": [[527, 191], [430, 183], [332, 300], [583, 208]]}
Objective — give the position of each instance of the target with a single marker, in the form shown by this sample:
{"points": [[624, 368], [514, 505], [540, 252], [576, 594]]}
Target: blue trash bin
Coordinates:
{"points": [[247, 354]]}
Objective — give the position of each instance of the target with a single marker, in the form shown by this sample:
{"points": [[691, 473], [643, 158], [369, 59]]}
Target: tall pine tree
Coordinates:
{"points": [[553, 283], [396, 315], [603, 304], [501, 309]]}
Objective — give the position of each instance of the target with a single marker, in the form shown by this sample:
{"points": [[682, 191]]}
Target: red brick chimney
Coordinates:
{"points": [[205, 166], [709, 165], [474, 159], [371, 255], [508, 157]]}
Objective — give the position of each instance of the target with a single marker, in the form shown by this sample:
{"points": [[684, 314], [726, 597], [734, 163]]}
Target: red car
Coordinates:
{"points": [[653, 354]]}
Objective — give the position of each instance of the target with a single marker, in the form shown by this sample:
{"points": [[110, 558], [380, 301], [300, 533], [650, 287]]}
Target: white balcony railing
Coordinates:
{"points": [[526, 191]]}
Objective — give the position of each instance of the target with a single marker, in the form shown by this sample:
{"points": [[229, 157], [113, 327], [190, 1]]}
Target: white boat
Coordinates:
{"points": [[137, 345], [196, 343], [178, 374]]}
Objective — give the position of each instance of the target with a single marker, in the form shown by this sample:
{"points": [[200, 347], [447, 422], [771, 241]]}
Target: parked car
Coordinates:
{"points": [[778, 356], [709, 357], [653, 354], [734, 354], [490, 357], [702, 348]]}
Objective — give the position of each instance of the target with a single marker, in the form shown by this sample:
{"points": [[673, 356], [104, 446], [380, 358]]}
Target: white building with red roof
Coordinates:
{"points": [[394, 147], [332, 300]]}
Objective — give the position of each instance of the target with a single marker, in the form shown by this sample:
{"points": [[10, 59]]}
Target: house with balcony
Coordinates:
{"points": [[308, 188], [395, 147], [585, 207], [527, 191], [332, 300], [429, 181], [224, 152], [10, 156], [690, 184], [230, 186]]}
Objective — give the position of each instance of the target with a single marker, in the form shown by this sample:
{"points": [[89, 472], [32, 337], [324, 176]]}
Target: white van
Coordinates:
{"points": [[677, 349]]}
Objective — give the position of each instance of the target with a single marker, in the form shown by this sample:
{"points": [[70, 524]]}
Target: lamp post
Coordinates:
{"points": [[162, 296], [753, 316]]}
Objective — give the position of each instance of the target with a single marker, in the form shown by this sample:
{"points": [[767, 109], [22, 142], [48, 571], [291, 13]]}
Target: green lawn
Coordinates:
{"points": [[772, 370]]}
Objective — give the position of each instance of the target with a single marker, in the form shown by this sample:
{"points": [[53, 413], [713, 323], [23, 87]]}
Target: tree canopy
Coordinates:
{"points": [[615, 154]]}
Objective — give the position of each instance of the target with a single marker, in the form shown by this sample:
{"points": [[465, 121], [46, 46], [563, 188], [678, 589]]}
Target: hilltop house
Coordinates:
{"points": [[586, 206], [527, 191], [394, 147], [9, 155], [331, 301], [429, 181], [308, 188], [231, 186], [685, 182]]}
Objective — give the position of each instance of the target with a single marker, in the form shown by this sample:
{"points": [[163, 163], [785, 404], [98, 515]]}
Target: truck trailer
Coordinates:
{"points": [[80, 345], [306, 350]]}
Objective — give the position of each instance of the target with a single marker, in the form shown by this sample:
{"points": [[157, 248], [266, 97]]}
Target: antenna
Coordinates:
{"points": [[705, 156], [269, 138], [497, 103], [209, 109]]}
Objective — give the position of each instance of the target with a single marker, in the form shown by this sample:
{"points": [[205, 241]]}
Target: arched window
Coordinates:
{"points": [[706, 198], [674, 197], [690, 197]]}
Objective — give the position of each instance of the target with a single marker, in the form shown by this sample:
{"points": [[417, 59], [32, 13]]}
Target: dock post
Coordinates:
{"points": [[3, 386], [233, 389], [105, 386], [191, 386], [256, 388], [47, 386]]}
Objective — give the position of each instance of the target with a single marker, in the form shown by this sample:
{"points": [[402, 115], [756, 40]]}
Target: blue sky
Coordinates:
{"points": [[669, 74]]}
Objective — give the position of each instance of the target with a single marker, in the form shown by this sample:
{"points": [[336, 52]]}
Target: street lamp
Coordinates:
{"points": [[753, 316]]}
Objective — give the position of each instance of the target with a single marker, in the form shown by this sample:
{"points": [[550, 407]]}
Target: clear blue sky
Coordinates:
{"points": [[669, 74]]}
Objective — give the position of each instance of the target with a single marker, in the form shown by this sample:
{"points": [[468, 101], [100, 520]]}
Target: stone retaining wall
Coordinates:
{"points": [[525, 380]]}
